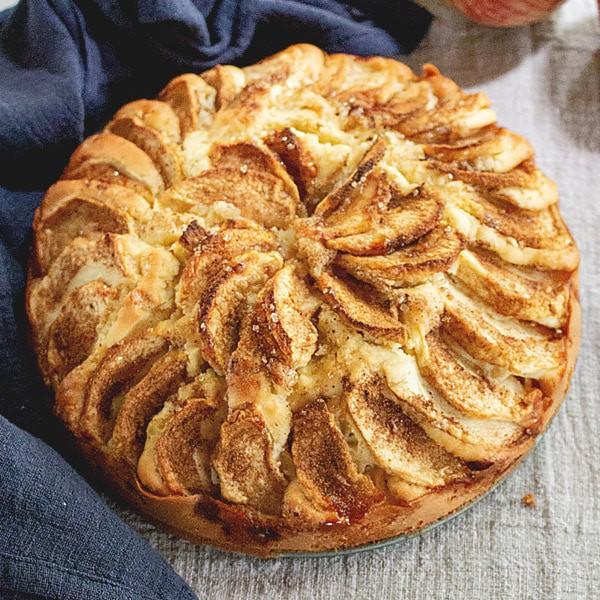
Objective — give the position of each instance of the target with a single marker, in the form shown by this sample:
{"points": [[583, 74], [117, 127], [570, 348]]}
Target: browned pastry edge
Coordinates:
{"points": [[203, 519]]}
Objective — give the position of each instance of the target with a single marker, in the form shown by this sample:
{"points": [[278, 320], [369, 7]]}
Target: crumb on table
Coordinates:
{"points": [[528, 500]]}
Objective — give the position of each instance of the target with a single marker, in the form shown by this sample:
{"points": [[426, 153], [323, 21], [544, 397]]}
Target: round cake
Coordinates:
{"points": [[305, 305]]}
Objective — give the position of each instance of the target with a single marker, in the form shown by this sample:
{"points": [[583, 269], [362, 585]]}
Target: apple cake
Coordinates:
{"points": [[304, 305]]}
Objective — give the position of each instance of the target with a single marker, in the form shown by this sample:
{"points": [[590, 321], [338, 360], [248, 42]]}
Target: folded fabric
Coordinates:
{"points": [[59, 539], [64, 67]]}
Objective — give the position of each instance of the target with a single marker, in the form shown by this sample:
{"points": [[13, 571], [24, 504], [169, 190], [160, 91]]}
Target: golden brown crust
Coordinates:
{"points": [[310, 304]]}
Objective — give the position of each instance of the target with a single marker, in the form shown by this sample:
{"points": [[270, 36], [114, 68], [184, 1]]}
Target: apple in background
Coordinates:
{"points": [[506, 13], [496, 13]]}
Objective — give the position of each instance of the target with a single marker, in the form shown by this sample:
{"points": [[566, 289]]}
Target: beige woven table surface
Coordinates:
{"points": [[544, 82]]}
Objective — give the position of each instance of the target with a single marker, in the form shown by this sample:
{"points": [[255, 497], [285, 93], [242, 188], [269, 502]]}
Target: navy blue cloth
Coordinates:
{"points": [[59, 540], [64, 68]]}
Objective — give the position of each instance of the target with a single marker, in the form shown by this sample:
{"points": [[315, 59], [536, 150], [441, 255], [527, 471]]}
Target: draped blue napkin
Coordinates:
{"points": [[64, 68]]}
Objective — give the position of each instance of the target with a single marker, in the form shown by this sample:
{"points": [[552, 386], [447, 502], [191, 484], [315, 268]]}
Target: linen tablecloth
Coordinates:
{"points": [[544, 82]]}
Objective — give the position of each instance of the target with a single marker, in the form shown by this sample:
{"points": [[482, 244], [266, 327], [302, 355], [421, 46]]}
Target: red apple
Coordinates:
{"points": [[506, 13]]}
